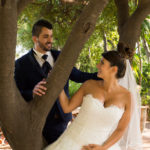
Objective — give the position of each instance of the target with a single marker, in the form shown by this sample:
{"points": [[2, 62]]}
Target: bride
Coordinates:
{"points": [[109, 117]]}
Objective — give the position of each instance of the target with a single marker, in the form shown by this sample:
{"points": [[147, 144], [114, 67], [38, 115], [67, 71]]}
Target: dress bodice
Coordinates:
{"points": [[93, 114], [93, 125]]}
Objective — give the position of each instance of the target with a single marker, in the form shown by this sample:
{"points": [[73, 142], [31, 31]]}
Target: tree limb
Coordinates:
{"points": [[142, 11], [21, 4], [132, 27], [123, 12], [79, 35]]}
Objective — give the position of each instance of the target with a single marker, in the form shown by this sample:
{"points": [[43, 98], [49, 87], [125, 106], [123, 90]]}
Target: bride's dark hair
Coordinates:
{"points": [[124, 50], [118, 58]]}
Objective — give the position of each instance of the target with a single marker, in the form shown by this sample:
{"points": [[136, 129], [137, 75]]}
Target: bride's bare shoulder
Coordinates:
{"points": [[92, 86], [92, 83], [126, 95]]}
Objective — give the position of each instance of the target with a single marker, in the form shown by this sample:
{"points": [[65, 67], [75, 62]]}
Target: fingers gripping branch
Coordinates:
{"points": [[122, 15]]}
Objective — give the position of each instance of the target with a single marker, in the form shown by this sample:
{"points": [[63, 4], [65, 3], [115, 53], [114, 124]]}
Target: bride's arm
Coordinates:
{"points": [[122, 125], [70, 104]]}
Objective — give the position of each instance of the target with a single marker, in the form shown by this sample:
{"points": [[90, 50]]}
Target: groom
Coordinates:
{"points": [[33, 67]]}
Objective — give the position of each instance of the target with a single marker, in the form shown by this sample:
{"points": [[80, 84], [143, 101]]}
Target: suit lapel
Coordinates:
{"points": [[35, 63], [36, 66], [54, 54]]}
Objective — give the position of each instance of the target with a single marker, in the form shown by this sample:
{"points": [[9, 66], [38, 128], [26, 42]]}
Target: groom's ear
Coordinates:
{"points": [[34, 38]]}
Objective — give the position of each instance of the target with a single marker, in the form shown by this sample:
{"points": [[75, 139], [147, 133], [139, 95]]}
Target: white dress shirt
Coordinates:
{"points": [[40, 60]]}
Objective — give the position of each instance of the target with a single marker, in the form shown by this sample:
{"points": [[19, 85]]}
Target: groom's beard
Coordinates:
{"points": [[46, 47]]}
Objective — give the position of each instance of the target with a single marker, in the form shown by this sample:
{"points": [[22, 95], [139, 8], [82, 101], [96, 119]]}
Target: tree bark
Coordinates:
{"points": [[122, 15], [14, 112], [21, 4], [129, 27], [8, 99]]}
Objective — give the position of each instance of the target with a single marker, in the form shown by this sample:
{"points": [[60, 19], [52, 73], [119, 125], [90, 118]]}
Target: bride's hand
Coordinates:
{"points": [[93, 147]]}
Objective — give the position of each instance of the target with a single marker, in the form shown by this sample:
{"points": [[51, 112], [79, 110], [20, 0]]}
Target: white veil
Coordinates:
{"points": [[132, 138]]}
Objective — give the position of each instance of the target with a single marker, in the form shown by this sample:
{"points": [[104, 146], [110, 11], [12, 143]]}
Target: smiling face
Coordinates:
{"points": [[105, 70], [43, 42]]}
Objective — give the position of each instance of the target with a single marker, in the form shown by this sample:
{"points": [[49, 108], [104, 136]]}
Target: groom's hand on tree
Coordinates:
{"points": [[39, 88]]}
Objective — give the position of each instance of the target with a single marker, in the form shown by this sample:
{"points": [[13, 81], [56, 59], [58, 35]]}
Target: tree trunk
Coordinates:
{"points": [[14, 112]]}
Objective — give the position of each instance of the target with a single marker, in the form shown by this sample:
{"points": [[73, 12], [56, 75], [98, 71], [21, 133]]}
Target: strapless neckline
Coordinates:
{"points": [[102, 103]]}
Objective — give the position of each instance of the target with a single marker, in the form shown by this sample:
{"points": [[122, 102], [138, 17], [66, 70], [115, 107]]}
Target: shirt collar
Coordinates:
{"points": [[40, 54]]}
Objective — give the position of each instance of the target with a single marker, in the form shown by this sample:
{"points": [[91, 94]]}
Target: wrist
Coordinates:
{"points": [[104, 146]]}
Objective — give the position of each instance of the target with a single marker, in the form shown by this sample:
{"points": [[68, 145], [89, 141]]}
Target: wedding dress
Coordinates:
{"points": [[93, 125]]}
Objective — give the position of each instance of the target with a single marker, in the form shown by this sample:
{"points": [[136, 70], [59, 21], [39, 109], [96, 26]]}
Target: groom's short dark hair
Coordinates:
{"points": [[37, 27]]}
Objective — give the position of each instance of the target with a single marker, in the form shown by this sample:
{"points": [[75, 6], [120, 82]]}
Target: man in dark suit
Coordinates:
{"points": [[30, 71]]}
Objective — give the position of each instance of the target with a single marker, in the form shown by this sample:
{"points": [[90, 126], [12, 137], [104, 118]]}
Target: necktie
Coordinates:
{"points": [[46, 67]]}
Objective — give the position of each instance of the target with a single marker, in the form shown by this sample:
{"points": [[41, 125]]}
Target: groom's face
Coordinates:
{"points": [[43, 42]]}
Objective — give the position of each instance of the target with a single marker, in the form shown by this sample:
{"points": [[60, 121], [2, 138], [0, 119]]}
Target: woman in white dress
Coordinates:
{"points": [[106, 111]]}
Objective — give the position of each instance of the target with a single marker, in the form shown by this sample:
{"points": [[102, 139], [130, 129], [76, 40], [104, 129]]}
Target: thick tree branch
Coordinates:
{"points": [[132, 27], [79, 35], [123, 12], [142, 11], [12, 103], [22, 4]]}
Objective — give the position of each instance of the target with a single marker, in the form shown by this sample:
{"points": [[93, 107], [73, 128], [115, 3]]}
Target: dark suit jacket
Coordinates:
{"points": [[28, 73]]}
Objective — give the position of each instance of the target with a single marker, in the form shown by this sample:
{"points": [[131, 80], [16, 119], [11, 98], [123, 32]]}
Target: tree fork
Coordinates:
{"points": [[130, 26]]}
